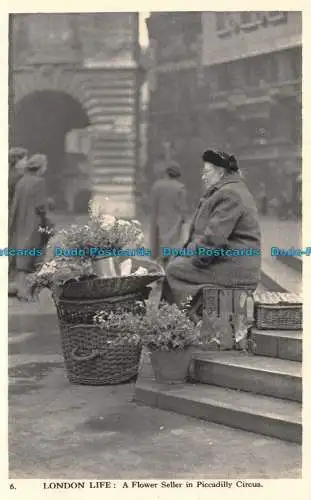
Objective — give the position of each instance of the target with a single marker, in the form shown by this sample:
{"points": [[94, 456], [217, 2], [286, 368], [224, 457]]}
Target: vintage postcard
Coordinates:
{"points": [[153, 246]]}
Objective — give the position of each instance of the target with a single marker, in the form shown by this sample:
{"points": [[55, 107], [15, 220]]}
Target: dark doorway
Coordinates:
{"points": [[40, 122]]}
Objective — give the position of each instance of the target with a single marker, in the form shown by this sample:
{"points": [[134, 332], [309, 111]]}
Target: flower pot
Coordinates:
{"points": [[104, 267], [171, 367]]}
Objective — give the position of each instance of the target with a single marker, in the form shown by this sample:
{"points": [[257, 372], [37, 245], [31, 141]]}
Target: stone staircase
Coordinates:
{"points": [[259, 393], [112, 102]]}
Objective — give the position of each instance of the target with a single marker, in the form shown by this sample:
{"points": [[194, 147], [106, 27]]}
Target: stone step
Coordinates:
{"points": [[102, 132], [113, 142], [265, 415], [109, 180], [113, 81], [111, 171], [107, 99], [114, 109], [116, 189], [291, 261], [97, 93], [101, 118], [278, 343], [113, 152], [278, 378], [276, 276], [116, 195], [119, 143], [114, 162]]}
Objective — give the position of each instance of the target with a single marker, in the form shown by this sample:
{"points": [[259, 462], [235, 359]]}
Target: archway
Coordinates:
{"points": [[40, 122]]}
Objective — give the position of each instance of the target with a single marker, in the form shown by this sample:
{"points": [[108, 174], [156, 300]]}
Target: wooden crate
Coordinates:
{"points": [[227, 316]]}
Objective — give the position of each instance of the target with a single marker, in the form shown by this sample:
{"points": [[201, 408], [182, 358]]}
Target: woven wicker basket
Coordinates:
{"points": [[278, 311], [93, 359], [83, 311], [99, 288]]}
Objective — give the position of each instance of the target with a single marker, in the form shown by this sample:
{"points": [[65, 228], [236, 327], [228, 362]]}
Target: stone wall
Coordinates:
{"points": [[92, 58]]}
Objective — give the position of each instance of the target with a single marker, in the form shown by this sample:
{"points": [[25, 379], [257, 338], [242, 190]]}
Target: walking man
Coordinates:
{"points": [[28, 214], [168, 212]]}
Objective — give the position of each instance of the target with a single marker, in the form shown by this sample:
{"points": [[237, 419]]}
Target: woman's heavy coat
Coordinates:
{"points": [[29, 198], [226, 218]]}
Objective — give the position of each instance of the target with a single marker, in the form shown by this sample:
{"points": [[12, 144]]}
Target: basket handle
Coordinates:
{"points": [[88, 357]]}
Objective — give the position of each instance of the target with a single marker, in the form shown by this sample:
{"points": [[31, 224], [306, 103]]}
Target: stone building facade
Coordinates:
{"points": [[77, 75], [236, 87]]}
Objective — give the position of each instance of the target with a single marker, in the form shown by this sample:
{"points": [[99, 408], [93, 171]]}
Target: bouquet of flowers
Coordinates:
{"points": [[56, 272], [102, 232], [71, 253]]}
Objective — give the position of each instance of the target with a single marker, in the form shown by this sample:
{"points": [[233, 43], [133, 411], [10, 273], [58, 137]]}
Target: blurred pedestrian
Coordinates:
{"points": [[296, 193], [159, 167], [17, 162], [263, 199], [28, 214], [298, 201], [168, 212]]}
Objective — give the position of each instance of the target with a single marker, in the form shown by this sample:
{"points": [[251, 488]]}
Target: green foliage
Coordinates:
{"points": [[122, 326], [169, 328]]}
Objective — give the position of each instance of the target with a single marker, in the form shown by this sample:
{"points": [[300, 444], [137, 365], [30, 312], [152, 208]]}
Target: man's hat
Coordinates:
{"points": [[173, 168], [36, 161], [220, 159], [16, 154]]}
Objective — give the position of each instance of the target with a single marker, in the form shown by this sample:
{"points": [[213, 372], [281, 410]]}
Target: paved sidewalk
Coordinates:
{"points": [[279, 233], [57, 430]]}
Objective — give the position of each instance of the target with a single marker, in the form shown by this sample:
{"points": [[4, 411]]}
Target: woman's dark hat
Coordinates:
{"points": [[36, 161], [174, 169], [16, 154], [220, 159]]}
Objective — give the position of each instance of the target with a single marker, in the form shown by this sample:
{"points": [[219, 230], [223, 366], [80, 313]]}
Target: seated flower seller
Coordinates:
{"points": [[224, 242]]}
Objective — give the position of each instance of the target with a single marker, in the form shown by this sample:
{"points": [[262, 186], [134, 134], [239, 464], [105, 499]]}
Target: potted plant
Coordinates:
{"points": [[170, 336]]}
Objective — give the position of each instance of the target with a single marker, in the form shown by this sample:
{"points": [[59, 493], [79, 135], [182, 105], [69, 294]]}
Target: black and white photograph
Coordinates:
{"points": [[154, 249]]}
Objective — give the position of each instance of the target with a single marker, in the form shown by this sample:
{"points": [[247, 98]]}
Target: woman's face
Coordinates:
{"points": [[211, 174], [21, 164]]}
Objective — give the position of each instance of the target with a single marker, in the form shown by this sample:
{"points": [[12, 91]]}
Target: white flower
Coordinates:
{"points": [[141, 271], [95, 208], [122, 222], [107, 221], [47, 268], [136, 222], [140, 238]]}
